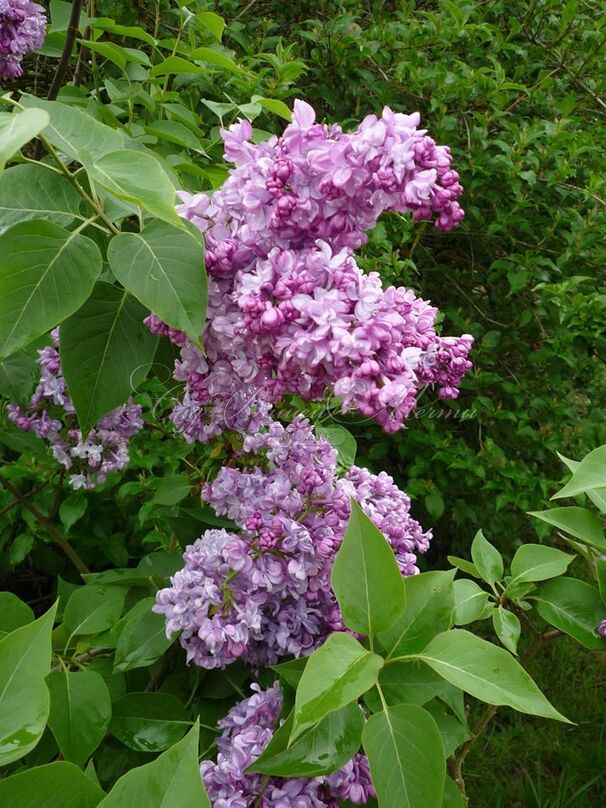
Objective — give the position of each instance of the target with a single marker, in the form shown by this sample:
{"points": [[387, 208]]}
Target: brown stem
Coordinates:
{"points": [[264, 785], [55, 534], [14, 502], [455, 762], [164, 666], [72, 31]]}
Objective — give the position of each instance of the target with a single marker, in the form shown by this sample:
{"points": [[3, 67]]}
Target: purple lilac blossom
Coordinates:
{"points": [[51, 416], [602, 628], [246, 731], [264, 592], [22, 30], [289, 309]]}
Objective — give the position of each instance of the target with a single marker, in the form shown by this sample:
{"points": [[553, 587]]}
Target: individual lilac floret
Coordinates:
{"points": [[51, 416], [22, 30], [246, 731], [602, 628], [289, 310], [264, 592]]}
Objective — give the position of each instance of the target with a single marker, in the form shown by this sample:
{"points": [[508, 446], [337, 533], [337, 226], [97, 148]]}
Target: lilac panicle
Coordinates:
{"points": [[289, 309], [246, 731], [51, 416], [22, 30], [264, 592]]}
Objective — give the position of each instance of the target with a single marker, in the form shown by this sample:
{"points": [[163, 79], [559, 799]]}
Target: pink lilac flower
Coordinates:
{"points": [[22, 30], [51, 416], [246, 731], [264, 592], [289, 309]]}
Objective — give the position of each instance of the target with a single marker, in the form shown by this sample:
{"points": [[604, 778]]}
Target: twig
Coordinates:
{"points": [[455, 762], [55, 534], [264, 785], [72, 31], [165, 663], [14, 502]]}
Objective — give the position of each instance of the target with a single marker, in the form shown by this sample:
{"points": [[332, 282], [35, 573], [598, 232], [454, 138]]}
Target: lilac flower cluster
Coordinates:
{"points": [[51, 416], [289, 309], [246, 731], [22, 30], [264, 592]]}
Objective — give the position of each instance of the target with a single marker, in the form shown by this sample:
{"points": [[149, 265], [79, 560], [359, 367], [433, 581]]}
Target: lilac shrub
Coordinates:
{"points": [[264, 592], [22, 30], [51, 416], [289, 309], [246, 731]]}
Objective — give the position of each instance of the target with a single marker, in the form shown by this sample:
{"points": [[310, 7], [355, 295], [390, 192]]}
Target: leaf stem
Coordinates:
{"points": [[97, 208], [57, 537]]}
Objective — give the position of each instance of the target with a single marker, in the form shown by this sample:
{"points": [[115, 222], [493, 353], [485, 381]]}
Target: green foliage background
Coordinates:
{"points": [[517, 89]]}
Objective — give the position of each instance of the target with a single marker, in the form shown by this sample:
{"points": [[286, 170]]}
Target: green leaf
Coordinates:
{"points": [[596, 495], [142, 642], [321, 750], [213, 58], [452, 731], [337, 673], [56, 785], [409, 681], [507, 627], [175, 65], [108, 50], [132, 31], [74, 132], [164, 268], [429, 605], [464, 565], [470, 601], [575, 608], [25, 656], [365, 577], [452, 796], [172, 489], [137, 177], [72, 509], [32, 192], [487, 559], [589, 475], [578, 522], [106, 351], [17, 129], [16, 375], [149, 722], [14, 613], [173, 779], [93, 608], [213, 22], [406, 757], [342, 441], [175, 132], [291, 671], [600, 568], [20, 547], [80, 711], [487, 672], [274, 106], [535, 562], [153, 568], [46, 273]]}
